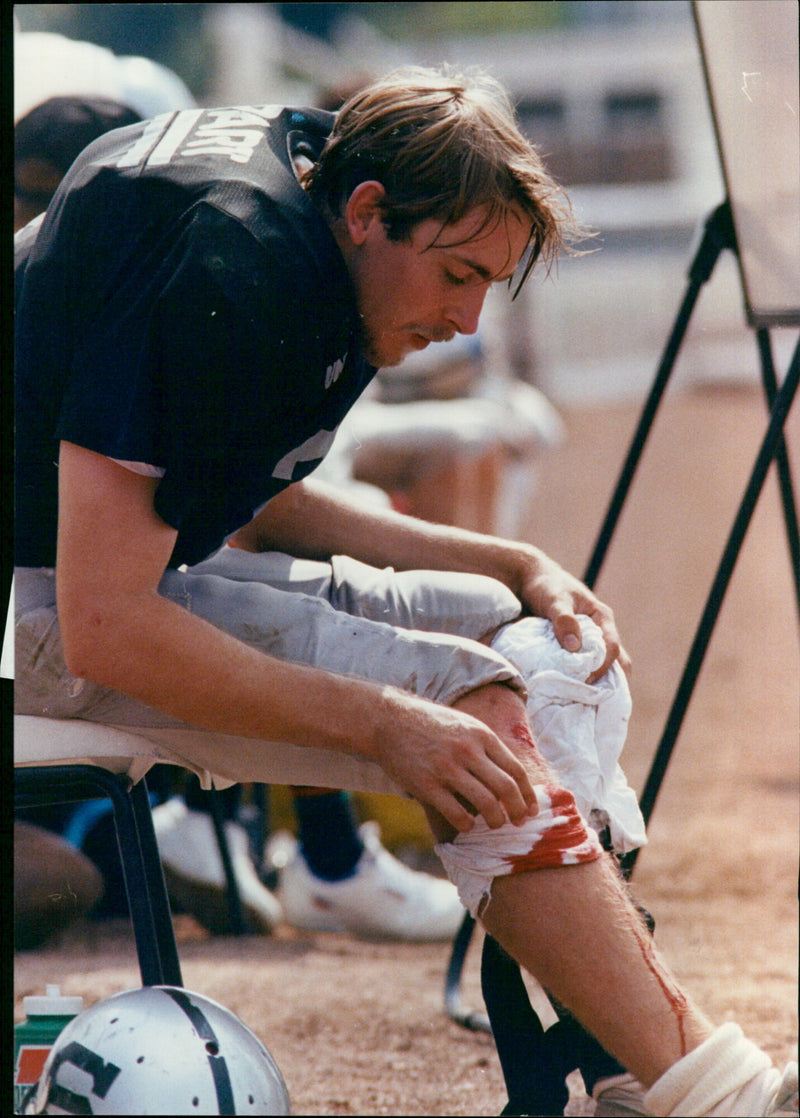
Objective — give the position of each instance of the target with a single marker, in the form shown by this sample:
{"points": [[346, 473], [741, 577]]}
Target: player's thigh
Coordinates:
{"points": [[470, 605], [305, 629]]}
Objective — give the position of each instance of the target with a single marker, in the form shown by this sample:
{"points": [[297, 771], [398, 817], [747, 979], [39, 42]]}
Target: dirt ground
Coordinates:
{"points": [[360, 1028]]}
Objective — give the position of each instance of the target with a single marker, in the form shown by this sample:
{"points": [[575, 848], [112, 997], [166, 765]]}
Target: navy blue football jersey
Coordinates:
{"points": [[185, 305]]}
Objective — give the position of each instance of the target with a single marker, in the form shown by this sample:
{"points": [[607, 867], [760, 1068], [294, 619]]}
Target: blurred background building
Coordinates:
{"points": [[610, 90]]}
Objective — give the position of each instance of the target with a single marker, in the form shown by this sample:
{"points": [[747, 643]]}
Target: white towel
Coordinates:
{"points": [[727, 1075], [579, 728]]}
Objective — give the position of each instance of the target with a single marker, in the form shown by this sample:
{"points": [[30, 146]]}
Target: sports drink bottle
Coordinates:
{"points": [[45, 1017]]}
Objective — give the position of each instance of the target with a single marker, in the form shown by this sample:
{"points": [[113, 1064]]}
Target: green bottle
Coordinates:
{"points": [[45, 1017]]}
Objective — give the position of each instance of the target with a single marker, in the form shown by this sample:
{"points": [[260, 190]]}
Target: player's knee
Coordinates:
{"points": [[556, 836], [501, 706]]}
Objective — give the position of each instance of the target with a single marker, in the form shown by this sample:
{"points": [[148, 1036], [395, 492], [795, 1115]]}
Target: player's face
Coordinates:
{"points": [[432, 286]]}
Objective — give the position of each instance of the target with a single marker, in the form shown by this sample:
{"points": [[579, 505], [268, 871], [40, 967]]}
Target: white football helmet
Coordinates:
{"points": [[159, 1050]]}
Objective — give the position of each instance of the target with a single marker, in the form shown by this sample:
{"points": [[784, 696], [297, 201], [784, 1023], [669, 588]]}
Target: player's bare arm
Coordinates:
{"points": [[118, 631], [314, 520]]}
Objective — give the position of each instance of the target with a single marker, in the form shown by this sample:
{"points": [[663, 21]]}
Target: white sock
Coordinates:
{"points": [[726, 1076]]}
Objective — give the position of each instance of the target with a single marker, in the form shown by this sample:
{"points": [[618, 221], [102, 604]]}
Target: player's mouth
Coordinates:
{"points": [[422, 341]]}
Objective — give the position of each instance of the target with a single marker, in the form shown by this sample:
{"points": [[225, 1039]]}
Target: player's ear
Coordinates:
{"points": [[363, 209]]}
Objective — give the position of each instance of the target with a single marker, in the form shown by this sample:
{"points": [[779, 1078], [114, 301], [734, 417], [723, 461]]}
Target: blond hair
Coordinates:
{"points": [[441, 143]]}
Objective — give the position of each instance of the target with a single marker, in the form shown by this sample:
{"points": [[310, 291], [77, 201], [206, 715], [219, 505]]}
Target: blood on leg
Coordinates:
{"points": [[675, 997], [555, 836]]}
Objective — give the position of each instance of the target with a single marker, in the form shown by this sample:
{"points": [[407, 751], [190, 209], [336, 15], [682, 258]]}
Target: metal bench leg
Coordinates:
{"points": [[141, 866], [155, 887]]}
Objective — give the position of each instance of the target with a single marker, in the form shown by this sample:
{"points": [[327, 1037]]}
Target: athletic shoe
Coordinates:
{"points": [[619, 1096], [382, 899], [195, 876], [786, 1103]]}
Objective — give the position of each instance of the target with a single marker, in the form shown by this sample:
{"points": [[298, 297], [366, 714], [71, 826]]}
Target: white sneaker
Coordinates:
{"points": [[383, 899], [786, 1104], [195, 876], [619, 1096]]}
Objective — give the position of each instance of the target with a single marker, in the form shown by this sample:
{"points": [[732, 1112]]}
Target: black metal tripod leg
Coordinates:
{"points": [[770, 382], [140, 864], [772, 437], [237, 921], [138, 887], [156, 888], [718, 235]]}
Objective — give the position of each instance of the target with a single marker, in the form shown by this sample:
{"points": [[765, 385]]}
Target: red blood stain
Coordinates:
{"points": [[675, 997], [521, 732], [566, 838], [571, 837]]}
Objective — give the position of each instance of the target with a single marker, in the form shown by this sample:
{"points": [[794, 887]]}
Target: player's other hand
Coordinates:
{"points": [[550, 591]]}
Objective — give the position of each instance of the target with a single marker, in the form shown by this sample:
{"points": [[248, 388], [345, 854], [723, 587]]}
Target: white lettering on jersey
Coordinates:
{"points": [[174, 137], [238, 146], [333, 372], [241, 117], [233, 132], [224, 135], [310, 451], [138, 152]]}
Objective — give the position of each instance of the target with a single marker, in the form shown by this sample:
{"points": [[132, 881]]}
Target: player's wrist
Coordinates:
{"points": [[524, 564], [369, 718]]}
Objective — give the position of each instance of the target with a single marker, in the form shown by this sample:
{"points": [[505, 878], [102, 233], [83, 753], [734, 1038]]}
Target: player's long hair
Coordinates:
{"points": [[441, 143]]}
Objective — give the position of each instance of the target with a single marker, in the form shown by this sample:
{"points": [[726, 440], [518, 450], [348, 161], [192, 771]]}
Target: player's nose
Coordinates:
{"points": [[464, 312]]}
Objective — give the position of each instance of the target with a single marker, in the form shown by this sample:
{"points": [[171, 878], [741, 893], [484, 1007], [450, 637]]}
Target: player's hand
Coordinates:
{"points": [[454, 763], [550, 591]]}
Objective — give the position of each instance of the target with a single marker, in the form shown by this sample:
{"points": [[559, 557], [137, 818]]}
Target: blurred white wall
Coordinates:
{"points": [[594, 331], [248, 63], [258, 56], [603, 99]]}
